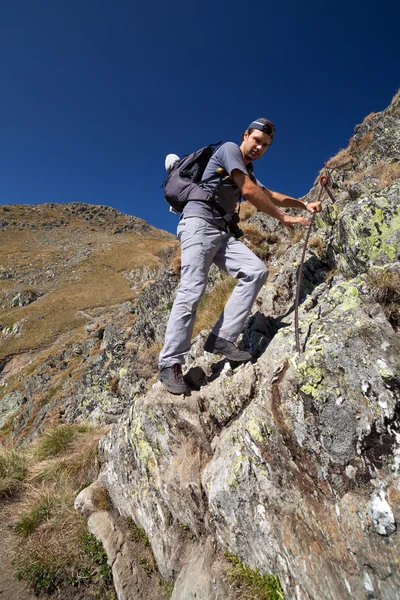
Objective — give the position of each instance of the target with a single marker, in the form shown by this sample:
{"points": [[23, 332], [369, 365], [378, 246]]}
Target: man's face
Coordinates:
{"points": [[255, 144]]}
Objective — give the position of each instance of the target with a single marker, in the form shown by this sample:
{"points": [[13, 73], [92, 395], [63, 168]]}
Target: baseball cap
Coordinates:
{"points": [[263, 125]]}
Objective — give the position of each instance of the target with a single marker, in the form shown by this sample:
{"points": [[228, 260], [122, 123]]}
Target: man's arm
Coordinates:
{"points": [[288, 202], [263, 200]]}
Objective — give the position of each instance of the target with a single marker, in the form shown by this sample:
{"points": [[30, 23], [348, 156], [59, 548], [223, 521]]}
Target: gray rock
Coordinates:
{"points": [[9, 406], [268, 458], [200, 578], [382, 514]]}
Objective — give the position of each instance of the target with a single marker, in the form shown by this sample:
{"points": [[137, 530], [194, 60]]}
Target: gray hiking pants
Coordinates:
{"points": [[203, 244]]}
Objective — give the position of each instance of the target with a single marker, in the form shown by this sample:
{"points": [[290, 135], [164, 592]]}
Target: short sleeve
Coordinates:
{"points": [[231, 158]]}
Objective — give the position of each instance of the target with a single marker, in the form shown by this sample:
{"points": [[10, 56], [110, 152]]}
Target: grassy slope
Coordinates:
{"points": [[77, 267]]}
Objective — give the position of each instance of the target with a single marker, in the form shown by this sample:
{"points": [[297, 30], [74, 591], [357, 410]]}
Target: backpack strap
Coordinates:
{"points": [[211, 199]]}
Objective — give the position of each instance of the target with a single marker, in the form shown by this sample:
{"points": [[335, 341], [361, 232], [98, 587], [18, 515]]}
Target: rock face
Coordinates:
{"points": [[292, 462]]}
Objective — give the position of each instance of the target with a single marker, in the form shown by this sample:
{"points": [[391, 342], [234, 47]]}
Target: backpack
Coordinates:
{"points": [[182, 184]]}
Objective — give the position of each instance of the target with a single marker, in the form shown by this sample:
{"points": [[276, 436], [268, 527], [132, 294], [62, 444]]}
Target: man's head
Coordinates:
{"points": [[257, 138]]}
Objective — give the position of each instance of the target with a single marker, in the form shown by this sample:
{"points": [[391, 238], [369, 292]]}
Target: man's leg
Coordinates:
{"points": [[199, 243], [239, 262]]}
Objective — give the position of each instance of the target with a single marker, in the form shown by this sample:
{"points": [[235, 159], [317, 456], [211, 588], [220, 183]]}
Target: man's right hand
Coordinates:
{"points": [[288, 221], [262, 201]]}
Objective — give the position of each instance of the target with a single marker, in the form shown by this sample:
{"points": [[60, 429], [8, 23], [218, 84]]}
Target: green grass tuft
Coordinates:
{"points": [[37, 514], [212, 304], [250, 584], [58, 440], [94, 549], [168, 587], [41, 577], [138, 534]]}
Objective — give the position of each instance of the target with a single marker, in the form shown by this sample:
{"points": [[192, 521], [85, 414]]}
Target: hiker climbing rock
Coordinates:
{"points": [[208, 233]]}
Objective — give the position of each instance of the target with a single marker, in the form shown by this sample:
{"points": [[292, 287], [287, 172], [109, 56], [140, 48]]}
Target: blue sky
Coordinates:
{"points": [[94, 94]]}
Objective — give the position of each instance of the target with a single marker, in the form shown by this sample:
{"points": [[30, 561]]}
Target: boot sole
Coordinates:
{"points": [[185, 390]]}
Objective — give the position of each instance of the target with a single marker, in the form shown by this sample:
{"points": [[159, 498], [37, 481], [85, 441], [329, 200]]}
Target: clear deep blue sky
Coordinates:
{"points": [[94, 94]]}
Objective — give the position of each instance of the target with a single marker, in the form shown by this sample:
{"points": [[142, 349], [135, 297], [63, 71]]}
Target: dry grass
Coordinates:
{"points": [[13, 470], [46, 513], [253, 234], [175, 263], [365, 141], [369, 117], [133, 254], [76, 268], [272, 238], [396, 97], [212, 304], [385, 173], [358, 176], [317, 243], [146, 360], [79, 466], [58, 311], [100, 499], [37, 511], [263, 252], [58, 440], [247, 210], [297, 235], [42, 560], [257, 240], [392, 312], [384, 287], [343, 156]]}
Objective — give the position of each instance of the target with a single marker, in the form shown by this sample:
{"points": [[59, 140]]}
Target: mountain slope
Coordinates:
{"points": [[59, 260], [290, 464]]}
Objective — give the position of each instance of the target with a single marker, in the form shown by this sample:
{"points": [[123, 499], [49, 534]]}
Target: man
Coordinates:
{"points": [[205, 239]]}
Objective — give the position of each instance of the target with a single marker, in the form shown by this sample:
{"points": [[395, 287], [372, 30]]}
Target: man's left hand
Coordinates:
{"points": [[314, 207]]}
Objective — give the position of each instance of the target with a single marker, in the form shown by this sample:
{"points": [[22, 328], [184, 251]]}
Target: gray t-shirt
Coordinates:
{"points": [[228, 157]]}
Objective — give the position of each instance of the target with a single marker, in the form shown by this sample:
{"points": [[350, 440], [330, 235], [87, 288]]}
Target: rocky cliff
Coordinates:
{"points": [[288, 465]]}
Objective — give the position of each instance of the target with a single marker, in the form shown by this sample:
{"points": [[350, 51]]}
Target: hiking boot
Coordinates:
{"points": [[172, 379], [218, 345]]}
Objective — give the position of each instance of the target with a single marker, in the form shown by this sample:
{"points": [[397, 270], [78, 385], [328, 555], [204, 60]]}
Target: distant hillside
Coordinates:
{"points": [[61, 259]]}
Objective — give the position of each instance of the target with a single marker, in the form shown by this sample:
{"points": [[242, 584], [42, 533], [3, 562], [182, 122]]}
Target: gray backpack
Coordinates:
{"points": [[182, 184]]}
